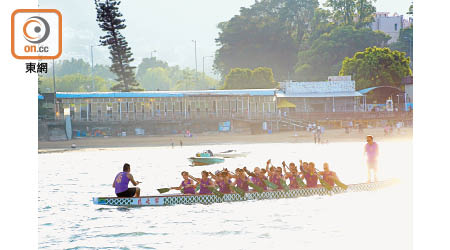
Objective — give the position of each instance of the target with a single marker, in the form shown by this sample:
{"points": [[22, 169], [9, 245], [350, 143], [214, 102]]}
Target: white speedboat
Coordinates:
{"points": [[231, 154]]}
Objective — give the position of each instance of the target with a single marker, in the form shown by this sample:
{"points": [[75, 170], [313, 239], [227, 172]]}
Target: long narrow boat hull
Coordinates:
{"points": [[201, 161], [166, 200]]}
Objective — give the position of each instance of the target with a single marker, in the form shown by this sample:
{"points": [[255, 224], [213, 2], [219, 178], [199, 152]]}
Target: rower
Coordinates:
{"points": [[257, 177], [241, 181], [121, 181], [291, 175], [204, 183], [310, 175], [328, 176], [276, 177], [224, 183], [187, 186]]}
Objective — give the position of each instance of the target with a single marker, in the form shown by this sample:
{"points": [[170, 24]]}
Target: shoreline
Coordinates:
{"points": [[216, 138]]}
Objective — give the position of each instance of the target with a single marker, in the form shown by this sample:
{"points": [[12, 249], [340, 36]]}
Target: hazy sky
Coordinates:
{"points": [[167, 26]]}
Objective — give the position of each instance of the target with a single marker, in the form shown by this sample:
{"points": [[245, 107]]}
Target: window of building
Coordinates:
{"points": [[395, 27]]}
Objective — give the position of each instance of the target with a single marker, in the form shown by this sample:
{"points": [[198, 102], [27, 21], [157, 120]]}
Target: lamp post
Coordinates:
{"points": [[204, 65], [92, 64], [54, 85], [398, 102], [195, 51]]}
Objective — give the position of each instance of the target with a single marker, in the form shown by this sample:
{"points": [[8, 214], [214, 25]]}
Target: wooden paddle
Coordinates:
{"points": [[300, 182], [298, 179], [255, 187], [165, 190], [213, 190], [270, 184], [324, 183], [251, 184], [284, 185], [338, 182], [238, 190]]}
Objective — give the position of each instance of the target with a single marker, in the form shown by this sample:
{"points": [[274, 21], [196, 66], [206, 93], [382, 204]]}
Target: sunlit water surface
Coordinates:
{"points": [[366, 220]]}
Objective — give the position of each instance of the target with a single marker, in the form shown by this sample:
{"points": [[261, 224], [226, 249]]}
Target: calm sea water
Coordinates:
{"points": [[366, 220]]}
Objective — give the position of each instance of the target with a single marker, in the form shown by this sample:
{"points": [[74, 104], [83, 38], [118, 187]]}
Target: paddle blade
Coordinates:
{"points": [[220, 194], [325, 184], [284, 185], [238, 191], [270, 184], [300, 182], [255, 187], [340, 184], [163, 190]]}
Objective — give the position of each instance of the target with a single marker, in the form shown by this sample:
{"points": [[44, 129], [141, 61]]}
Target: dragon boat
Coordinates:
{"points": [[166, 200]]}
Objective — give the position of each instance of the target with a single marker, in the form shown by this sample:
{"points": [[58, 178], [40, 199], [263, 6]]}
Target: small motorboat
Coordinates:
{"points": [[205, 158], [231, 154]]}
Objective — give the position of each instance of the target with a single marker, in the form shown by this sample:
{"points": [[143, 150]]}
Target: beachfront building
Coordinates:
{"points": [[166, 105], [335, 95], [390, 25]]}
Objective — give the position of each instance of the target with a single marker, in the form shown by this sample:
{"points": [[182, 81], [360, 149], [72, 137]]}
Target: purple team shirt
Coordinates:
{"points": [[372, 152]]}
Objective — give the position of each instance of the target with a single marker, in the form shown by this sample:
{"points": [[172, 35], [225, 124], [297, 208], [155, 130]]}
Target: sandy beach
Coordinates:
{"points": [[330, 136]]}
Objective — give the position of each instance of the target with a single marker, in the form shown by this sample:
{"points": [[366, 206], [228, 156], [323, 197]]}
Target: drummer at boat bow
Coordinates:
{"points": [[121, 183]]}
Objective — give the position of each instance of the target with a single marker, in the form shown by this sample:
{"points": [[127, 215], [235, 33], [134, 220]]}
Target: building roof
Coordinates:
{"points": [[323, 94], [365, 91], [227, 92]]}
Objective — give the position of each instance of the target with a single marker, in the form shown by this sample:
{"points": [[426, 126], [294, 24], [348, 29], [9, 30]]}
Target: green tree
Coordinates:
{"points": [[410, 10], [267, 34], [156, 79], [343, 10], [404, 42], [108, 18], [255, 41], [74, 83], [203, 83], [72, 66], [79, 66], [364, 12], [297, 16], [376, 66], [262, 78], [148, 63], [324, 57], [238, 78], [320, 24], [244, 78], [103, 71]]}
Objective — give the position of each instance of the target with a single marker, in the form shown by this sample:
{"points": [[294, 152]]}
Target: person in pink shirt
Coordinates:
{"points": [[371, 151]]}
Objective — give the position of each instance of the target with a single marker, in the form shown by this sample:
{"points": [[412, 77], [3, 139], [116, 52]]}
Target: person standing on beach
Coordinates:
{"points": [[371, 150], [121, 181], [314, 131]]}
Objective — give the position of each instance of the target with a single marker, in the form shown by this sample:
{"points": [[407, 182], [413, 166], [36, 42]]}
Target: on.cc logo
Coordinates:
{"points": [[36, 29]]}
